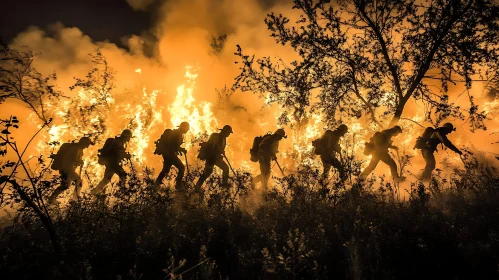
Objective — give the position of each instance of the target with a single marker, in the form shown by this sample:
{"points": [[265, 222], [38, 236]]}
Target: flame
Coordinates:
{"points": [[144, 116], [147, 119], [185, 109]]}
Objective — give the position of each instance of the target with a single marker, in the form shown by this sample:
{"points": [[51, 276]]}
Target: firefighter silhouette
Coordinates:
{"points": [[67, 159], [112, 155], [327, 147], [169, 147], [213, 152], [378, 148], [428, 143], [266, 151]]}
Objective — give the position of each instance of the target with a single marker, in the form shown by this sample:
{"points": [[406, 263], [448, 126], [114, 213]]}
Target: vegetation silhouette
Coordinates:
{"points": [[380, 54]]}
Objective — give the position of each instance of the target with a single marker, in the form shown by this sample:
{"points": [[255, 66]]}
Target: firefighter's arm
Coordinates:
{"points": [[394, 147], [126, 155], [76, 157], [274, 148], [449, 144], [337, 148], [379, 141]]}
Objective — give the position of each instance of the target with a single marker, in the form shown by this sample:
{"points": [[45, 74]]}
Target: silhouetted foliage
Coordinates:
{"points": [[493, 87], [218, 43], [24, 193], [20, 80], [449, 228], [358, 56], [94, 98]]}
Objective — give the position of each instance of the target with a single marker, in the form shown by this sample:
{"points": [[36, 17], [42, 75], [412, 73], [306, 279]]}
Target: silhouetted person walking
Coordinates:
{"points": [[213, 153], [267, 151], [111, 156], [381, 142], [327, 146], [169, 146], [67, 159], [439, 136]]}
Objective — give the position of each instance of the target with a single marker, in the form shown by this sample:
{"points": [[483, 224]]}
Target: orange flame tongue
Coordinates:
{"points": [[184, 108]]}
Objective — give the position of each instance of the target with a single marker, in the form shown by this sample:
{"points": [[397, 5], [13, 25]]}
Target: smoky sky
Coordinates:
{"points": [[100, 19]]}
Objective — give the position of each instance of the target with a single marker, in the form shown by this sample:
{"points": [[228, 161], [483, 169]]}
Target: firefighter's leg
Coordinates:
{"points": [[337, 164], [225, 171], [265, 170], [108, 174], [431, 163], [167, 165], [208, 169], [121, 174], [326, 167], [256, 180], [65, 183], [74, 177], [370, 168], [181, 169], [388, 160]]}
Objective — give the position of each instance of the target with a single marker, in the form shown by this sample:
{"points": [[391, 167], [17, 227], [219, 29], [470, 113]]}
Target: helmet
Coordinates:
{"points": [[227, 128], [85, 141], [328, 132], [343, 128], [449, 126], [280, 132], [126, 133], [397, 128], [184, 126]]}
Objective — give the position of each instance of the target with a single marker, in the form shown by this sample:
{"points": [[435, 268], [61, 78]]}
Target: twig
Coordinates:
{"points": [[205, 260], [407, 119], [22, 154]]}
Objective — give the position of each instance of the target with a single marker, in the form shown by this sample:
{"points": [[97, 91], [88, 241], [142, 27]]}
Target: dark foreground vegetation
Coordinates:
{"points": [[448, 230]]}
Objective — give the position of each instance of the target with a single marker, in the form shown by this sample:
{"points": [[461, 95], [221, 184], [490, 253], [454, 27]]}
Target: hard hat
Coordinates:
{"points": [[397, 128], [280, 132], [85, 141], [184, 126], [126, 133], [227, 128], [449, 126], [343, 128]]}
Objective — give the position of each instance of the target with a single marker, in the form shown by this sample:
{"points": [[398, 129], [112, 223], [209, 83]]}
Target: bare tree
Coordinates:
{"points": [[360, 57], [94, 100], [27, 190], [20, 80]]}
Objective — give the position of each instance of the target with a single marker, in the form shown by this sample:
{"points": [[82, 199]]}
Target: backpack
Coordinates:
{"points": [[369, 146], [422, 140], [162, 142], [106, 152], [255, 148], [59, 158], [206, 148], [318, 145]]}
